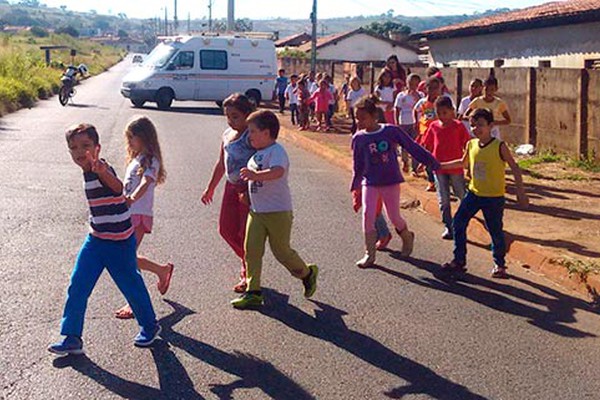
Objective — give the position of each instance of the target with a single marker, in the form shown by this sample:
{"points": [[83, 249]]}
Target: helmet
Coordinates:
{"points": [[83, 68]]}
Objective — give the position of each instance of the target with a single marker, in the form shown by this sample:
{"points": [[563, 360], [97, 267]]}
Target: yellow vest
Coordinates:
{"points": [[487, 169]]}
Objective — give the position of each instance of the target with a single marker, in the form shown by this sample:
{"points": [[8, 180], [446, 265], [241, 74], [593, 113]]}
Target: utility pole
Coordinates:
{"points": [[166, 23], [175, 21], [210, 15], [313, 47], [189, 24], [230, 16]]}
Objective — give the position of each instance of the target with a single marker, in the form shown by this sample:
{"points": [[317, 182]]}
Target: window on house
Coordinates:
{"points": [[545, 64], [498, 63], [592, 63], [213, 59]]}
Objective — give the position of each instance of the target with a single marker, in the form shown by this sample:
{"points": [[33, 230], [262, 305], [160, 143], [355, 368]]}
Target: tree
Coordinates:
{"points": [[387, 27], [39, 31], [68, 30], [122, 33], [244, 25], [30, 3]]}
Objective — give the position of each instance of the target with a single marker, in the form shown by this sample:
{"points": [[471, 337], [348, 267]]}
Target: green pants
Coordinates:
{"points": [[276, 226]]}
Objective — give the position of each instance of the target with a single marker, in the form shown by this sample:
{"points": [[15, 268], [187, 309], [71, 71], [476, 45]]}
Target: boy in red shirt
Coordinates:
{"points": [[446, 139]]}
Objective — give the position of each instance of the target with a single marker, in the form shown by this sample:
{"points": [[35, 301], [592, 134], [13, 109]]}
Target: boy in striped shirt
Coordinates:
{"points": [[110, 244]]}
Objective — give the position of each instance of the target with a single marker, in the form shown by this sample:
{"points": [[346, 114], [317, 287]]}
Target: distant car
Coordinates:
{"points": [[138, 59]]}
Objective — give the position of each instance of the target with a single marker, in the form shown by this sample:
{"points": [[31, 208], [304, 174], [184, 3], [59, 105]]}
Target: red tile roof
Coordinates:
{"points": [[294, 40], [549, 14]]}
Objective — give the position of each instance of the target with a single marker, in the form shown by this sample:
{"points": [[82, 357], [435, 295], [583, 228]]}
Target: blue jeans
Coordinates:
{"points": [[381, 226], [329, 115], [493, 212], [442, 186], [294, 111], [119, 257]]}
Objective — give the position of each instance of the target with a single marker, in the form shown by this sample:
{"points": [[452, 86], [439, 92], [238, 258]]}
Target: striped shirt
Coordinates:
{"points": [[109, 214]]}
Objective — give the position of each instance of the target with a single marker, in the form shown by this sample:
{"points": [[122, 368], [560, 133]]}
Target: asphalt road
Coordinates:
{"points": [[395, 331]]}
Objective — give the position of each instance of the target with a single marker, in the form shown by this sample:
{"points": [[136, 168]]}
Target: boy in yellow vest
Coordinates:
{"points": [[485, 159]]}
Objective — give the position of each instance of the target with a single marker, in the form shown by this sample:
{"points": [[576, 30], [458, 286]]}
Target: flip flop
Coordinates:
{"points": [[163, 289], [124, 312]]}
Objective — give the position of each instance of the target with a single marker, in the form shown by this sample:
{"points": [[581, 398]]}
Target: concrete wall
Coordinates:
{"points": [[565, 46], [557, 104], [362, 47], [594, 115]]}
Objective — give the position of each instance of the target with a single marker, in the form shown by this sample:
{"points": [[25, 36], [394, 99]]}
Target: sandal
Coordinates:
{"points": [[124, 312], [162, 289], [240, 287]]}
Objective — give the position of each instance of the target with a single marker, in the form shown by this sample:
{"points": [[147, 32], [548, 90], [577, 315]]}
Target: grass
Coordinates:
{"points": [[24, 76], [528, 165], [542, 158]]}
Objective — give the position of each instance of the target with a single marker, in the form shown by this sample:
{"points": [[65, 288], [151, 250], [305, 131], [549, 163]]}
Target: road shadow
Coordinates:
{"points": [[79, 105], [500, 295], [328, 325], [186, 110], [174, 380]]}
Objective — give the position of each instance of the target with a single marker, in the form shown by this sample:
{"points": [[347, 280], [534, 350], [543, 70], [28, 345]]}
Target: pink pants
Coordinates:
{"points": [[232, 221], [390, 196]]}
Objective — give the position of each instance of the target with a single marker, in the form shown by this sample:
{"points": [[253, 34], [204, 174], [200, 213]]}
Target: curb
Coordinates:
{"points": [[528, 256]]}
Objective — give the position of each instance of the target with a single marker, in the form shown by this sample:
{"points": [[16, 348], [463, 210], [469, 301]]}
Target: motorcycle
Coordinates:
{"points": [[68, 80]]}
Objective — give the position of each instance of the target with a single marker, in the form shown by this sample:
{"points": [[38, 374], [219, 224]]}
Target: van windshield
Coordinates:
{"points": [[159, 56]]}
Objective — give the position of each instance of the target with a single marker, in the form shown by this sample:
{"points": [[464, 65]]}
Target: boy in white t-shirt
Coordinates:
{"points": [[404, 115], [475, 90], [270, 211], [292, 97]]}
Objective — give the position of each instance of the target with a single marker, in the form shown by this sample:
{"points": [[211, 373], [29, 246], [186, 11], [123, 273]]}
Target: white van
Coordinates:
{"points": [[206, 68]]}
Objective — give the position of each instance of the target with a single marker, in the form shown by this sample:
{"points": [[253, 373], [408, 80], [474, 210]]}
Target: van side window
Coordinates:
{"points": [[184, 60], [213, 59]]}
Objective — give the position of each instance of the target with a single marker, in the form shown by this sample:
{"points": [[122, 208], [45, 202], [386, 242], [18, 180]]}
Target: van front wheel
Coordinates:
{"points": [[138, 103], [254, 96], [164, 99]]}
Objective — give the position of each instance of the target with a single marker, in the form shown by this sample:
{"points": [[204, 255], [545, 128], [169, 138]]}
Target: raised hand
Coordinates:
{"points": [[97, 165]]}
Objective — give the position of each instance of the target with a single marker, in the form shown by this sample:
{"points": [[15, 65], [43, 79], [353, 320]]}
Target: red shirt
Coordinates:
{"points": [[447, 143]]}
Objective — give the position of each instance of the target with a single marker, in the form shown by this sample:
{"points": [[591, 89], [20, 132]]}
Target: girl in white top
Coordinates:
{"points": [[405, 118], [385, 91], [355, 93], [144, 171]]}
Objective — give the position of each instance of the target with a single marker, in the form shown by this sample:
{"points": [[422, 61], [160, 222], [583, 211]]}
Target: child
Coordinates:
{"points": [[376, 169], [446, 139], [485, 159], [303, 96], [355, 93], [491, 102], [404, 117], [109, 244], [385, 91], [321, 99], [281, 84], [145, 170], [234, 154], [332, 103], [424, 115], [475, 89], [271, 210], [290, 95]]}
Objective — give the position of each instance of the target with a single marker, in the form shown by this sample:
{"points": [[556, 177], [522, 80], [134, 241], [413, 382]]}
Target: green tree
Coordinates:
{"points": [[68, 30], [123, 33], [387, 27], [39, 31]]}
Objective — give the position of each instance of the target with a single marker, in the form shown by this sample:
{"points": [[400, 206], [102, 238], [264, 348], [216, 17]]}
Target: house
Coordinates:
{"points": [[294, 40], [360, 46], [560, 34]]}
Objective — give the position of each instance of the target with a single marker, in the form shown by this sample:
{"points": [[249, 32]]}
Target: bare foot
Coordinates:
{"points": [[124, 312]]}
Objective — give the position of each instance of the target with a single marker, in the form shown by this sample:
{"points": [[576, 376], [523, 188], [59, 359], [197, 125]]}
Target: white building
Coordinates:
{"points": [[561, 34], [359, 46]]}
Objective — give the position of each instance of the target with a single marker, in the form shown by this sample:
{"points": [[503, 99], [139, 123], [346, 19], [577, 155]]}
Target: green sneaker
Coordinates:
{"points": [[248, 300], [310, 282]]}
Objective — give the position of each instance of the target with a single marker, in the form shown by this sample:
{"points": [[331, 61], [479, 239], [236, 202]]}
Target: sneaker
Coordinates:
{"points": [[382, 243], [499, 272], [145, 339], [70, 345], [248, 300], [430, 187], [310, 282], [366, 262], [447, 235]]}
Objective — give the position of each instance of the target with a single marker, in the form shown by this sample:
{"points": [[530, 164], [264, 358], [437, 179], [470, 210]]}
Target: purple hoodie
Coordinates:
{"points": [[376, 157]]}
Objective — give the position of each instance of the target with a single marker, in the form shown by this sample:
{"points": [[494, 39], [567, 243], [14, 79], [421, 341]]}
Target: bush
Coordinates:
{"points": [[39, 32]]}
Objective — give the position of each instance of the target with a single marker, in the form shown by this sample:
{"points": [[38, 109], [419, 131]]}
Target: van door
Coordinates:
{"points": [[181, 73], [213, 82]]}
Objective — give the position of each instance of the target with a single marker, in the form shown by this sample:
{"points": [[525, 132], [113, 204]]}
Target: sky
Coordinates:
{"points": [[267, 9]]}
